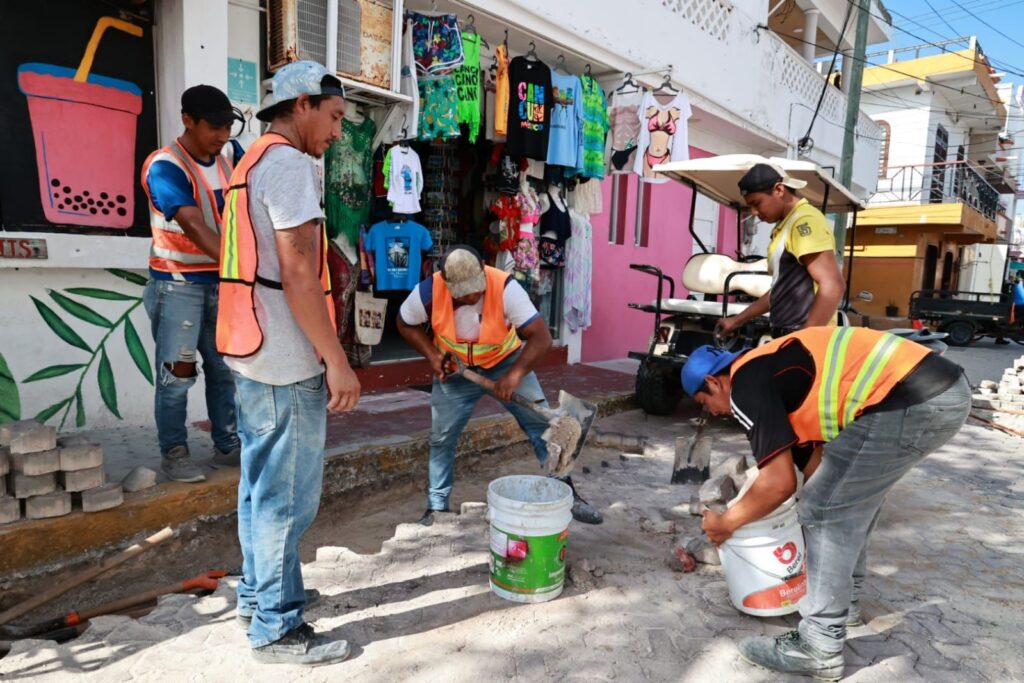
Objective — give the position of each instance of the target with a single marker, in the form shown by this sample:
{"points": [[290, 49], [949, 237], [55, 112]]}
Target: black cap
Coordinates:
{"points": [[208, 103], [763, 177]]}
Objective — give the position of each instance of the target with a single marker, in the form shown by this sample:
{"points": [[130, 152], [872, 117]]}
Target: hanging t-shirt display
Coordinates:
{"points": [[405, 180], [663, 134], [529, 108], [467, 80], [398, 253], [439, 108], [595, 128], [501, 91], [565, 142], [436, 43], [348, 167], [624, 122]]}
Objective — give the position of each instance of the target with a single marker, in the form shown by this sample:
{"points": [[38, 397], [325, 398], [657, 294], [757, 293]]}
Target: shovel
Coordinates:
{"points": [[693, 456], [570, 422]]}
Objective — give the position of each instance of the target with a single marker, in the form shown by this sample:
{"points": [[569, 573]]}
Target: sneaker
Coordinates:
{"points": [[303, 646], [232, 458], [177, 465], [428, 517], [312, 597], [791, 654], [582, 511], [853, 616]]}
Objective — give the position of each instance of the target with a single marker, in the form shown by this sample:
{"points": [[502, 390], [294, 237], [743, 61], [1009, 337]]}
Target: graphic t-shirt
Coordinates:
{"points": [[348, 165], [595, 129], [398, 253], [565, 143], [793, 290], [467, 80], [624, 119], [663, 134], [529, 109], [405, 181]]}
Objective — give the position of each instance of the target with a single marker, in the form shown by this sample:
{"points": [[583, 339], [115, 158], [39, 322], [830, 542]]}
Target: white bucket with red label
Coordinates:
{"points": [[764, 563]]}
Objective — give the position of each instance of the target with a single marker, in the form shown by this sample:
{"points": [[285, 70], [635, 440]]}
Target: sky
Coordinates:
{"points": [[936, 20]]}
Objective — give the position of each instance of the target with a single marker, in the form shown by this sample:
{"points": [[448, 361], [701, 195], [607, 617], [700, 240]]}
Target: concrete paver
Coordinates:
{"points": [[942, 600]]}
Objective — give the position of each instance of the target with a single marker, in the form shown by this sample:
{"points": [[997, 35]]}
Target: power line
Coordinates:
{"points": [[985, 23], [953, 13], [940, 16], [805, 143]]}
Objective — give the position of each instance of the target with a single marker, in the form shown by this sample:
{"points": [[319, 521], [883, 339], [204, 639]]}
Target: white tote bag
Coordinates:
{"points": [[370, 318]]}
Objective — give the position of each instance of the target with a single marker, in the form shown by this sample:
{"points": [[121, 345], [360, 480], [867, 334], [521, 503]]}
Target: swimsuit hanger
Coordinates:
{"points": [[404, 139], [470, 27], [628, 81], [560, 64], [586, 71], [532, 54], [666, 84]]}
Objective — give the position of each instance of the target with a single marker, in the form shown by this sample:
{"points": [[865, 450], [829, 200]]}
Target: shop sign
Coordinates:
{"points": [[886, 231], [243, 86], [22, 248]]}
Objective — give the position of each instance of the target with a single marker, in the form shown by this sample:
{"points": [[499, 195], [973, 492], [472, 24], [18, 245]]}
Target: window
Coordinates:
{"points": [[883, 149]]}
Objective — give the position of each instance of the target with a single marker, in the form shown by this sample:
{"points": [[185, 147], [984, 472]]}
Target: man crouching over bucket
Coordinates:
{"points": [[856, 409]]}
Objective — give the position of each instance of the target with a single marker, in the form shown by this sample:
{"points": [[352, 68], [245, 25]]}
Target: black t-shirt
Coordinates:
{"points": [[767, 389], [529, 108]]}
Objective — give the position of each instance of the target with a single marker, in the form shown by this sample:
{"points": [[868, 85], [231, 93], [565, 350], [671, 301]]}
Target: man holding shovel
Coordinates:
{"points": [[481, 316], [853, 407]]}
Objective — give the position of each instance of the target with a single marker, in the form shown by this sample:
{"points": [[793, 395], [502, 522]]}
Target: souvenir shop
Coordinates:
{"points": [[502, 144]]}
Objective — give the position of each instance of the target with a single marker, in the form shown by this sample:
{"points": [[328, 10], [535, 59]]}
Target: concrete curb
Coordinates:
{"points": [[33, 546]]}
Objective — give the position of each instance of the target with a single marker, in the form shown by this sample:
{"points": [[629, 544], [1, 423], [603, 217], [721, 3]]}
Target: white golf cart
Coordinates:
{"points": [[718, 285]]}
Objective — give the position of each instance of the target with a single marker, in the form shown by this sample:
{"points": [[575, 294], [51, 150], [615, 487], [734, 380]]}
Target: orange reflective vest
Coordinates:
{"points": [[498, 339], [855, 368], [172, 251], [238, 330]]}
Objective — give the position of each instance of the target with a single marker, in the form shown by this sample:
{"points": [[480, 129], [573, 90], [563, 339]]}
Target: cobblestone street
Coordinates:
{"points": [[943, 595]]}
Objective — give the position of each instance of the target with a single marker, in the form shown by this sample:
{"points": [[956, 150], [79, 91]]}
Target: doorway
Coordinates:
{"points": [[931, 260]]}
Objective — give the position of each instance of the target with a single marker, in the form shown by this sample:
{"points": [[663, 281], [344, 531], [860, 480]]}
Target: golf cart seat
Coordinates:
{"points": [[712, 274]]}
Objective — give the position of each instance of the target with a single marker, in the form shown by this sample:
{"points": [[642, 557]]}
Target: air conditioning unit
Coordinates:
{"points": [[297, 29]]}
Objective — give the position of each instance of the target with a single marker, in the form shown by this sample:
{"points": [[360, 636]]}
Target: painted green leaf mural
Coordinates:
{"points": [[47, 413], [78, 310], [137, 350], [134, 278], [79, 408], [53, 371], [108, 388], [10, 402], [60, 328], [107, 294]]}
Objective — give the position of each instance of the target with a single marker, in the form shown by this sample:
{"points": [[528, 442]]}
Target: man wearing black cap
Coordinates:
{"points": [[185, 183], [806, 283]]}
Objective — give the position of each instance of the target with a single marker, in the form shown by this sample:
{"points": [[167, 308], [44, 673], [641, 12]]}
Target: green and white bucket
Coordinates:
{"points": [[529, 518]]}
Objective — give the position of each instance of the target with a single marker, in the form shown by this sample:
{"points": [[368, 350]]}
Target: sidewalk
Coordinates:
{"points": [[944, 589], [383, 440]]}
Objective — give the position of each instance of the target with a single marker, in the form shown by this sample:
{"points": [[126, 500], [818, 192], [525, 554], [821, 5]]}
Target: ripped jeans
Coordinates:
{"points": [[184, 321]]}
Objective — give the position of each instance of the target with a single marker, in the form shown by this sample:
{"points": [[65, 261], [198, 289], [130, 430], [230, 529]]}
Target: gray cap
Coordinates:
{"points": [[295, 79], [463, 272]]}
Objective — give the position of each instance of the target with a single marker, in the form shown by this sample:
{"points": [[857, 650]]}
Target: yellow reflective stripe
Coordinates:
{"points": [[870, 370], [828, 394], [481, 352], [229, 259]]}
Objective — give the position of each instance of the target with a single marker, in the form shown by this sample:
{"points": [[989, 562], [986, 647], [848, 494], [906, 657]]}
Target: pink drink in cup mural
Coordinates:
{"points": [[84, 130]]}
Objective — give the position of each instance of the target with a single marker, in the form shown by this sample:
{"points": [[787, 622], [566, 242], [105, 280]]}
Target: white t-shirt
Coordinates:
{"points": [[519, 310], [406, 182], [663, 134], [283, 193]]}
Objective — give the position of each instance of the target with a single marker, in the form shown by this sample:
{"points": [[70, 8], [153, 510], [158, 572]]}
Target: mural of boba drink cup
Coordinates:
{"points": [[84, 130]]}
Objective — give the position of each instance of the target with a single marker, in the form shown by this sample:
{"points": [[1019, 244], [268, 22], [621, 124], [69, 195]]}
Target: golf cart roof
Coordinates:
{"points": [[718, 177]]}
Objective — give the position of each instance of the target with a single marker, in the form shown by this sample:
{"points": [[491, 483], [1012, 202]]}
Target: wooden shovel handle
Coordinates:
{"points": [[489, 385]]}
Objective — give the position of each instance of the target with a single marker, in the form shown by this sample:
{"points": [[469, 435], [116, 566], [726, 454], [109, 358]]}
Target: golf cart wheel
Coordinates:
{"points": [[961, 333], [658, 391]]}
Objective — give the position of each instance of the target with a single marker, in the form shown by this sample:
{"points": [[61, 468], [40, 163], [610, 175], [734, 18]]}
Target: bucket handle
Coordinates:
{"points": [[780, 577]]}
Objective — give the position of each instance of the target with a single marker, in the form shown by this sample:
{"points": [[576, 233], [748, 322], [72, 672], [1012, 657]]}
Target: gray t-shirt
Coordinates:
{"points": [[284, 192]]}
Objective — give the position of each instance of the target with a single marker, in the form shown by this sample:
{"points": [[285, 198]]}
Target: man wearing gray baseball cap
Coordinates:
{"points": [[482, 316], [275, 327]]}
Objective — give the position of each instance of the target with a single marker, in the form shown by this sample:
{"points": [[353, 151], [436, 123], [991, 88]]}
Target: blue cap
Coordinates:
{"points": [[704, 361], [298, 78]]}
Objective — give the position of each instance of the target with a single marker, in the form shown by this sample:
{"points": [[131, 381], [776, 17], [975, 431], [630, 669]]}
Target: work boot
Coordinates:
{"points": [[312, 596], [232, 458], [302, 645], [791, 654], [428, 517], [853, 616], [582, 511], [177, 465]]}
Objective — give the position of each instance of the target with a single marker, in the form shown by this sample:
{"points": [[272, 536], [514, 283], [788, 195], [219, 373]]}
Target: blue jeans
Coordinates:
{"points": [[184, 321], [839, 506], [451, 404], [283, 431]]}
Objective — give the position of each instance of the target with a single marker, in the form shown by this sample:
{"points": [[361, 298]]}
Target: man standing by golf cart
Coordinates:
{"points": [[807, 285], [481, 315], [855, 409]]}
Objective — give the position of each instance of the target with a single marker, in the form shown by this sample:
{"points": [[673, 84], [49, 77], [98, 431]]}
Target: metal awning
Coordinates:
{"points": [[718, 177]]}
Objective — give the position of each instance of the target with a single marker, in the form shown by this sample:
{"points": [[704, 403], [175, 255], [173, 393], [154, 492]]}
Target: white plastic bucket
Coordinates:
{"points": [[529, 518], [764, 563]]}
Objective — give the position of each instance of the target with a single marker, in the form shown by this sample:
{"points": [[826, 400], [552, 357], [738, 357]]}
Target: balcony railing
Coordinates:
{"points": [[938, 183]]}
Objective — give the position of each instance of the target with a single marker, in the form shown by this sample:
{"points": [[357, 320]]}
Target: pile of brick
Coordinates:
{"points": [[1007, 394], [42, 476]]}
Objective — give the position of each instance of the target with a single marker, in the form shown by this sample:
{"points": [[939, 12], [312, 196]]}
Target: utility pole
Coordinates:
{"points": [[852, 112]]}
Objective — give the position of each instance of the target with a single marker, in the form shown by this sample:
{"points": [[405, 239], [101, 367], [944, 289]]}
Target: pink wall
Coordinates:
{"points": [[617, 329]]}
